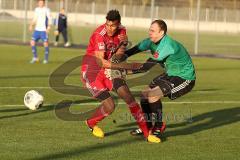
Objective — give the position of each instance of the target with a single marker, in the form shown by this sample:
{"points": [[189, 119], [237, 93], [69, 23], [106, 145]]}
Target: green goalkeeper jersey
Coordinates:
{"points": [[176, 60]]}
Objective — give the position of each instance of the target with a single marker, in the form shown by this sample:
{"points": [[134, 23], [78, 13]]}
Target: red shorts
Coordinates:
{"points": [[94, 78]]}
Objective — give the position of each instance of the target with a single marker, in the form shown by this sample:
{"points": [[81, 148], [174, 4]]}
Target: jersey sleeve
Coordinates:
{"points": [[98, 41], [144, 45]]}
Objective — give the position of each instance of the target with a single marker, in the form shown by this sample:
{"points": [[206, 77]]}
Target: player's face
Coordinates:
{"points": [[155, 33], [112, 27], [41, 3], [62, 11]]}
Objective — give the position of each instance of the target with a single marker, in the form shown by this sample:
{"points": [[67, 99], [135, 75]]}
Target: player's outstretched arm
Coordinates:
{"points": [[107, 64], [145, 67], [117, 58], [130, 52]]}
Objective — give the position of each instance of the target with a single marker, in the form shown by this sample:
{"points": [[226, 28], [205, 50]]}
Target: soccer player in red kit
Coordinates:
{"points": [[108, 39]]}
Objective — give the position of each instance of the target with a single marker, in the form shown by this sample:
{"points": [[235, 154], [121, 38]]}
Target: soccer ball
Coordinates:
{"points": [[33, 99]]}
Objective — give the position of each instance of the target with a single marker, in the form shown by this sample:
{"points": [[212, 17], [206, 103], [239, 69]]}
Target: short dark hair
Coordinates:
{"points": [[162, 25], [113, 15]]}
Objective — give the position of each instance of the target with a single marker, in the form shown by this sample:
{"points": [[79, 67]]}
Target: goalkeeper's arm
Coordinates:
{"points": [[132, 51], [145, 67]]}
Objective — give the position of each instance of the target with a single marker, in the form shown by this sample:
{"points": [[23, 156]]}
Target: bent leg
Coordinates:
{"points": [[106, 108], [154, 96], [134, 107]]}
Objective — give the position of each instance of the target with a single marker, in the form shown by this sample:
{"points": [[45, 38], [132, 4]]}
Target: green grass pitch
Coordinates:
{"points": [[201, 125]]}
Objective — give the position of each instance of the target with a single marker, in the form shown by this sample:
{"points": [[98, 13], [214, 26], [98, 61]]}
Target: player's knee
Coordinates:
{"points": [[109, 108], [45, 44], [154, 95], [149, 96], [32, 43], [154, 99], [108, 105]]}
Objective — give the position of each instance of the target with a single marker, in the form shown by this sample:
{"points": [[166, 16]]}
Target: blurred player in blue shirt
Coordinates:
{"points": [[41, 21]]}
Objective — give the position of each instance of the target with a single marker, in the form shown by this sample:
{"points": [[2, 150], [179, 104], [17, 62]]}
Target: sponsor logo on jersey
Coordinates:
{"points": [[155, 55], [101, 46]]}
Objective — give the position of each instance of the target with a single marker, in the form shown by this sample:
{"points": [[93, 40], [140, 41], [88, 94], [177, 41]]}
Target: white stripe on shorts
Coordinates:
{"points": [[181, 86]]}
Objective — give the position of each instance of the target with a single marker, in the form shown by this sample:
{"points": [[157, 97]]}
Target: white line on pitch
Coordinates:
{"points": [[28, 87], [96, 103], [24, 87]]}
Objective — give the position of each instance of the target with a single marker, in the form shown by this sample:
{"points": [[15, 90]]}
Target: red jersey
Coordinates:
{"points": [[100, 41], [92, 74]]}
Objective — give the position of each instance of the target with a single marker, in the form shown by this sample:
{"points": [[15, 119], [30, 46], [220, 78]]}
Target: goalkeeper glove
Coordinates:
{"points": [[112, 73]]}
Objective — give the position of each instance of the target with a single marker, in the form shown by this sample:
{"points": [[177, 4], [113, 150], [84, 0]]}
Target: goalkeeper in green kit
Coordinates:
{"points": [[178, 79]]}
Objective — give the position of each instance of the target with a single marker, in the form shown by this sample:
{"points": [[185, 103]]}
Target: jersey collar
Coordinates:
{"points": [[159, 40]]}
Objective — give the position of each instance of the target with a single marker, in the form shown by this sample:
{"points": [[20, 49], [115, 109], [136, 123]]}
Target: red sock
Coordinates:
{"points": [[99, 115], [139, 116]]}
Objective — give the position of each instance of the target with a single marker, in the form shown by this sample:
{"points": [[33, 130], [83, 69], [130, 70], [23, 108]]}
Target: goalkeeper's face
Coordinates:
{"points": [[112, 27], [155, 33]]}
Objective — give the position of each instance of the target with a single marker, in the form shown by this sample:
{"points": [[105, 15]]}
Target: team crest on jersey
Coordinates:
{"points": [[101, 46], [155, 55], [111, 47]]}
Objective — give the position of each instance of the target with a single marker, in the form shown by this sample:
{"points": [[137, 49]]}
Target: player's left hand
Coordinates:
{"points": [[112, 73]]}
